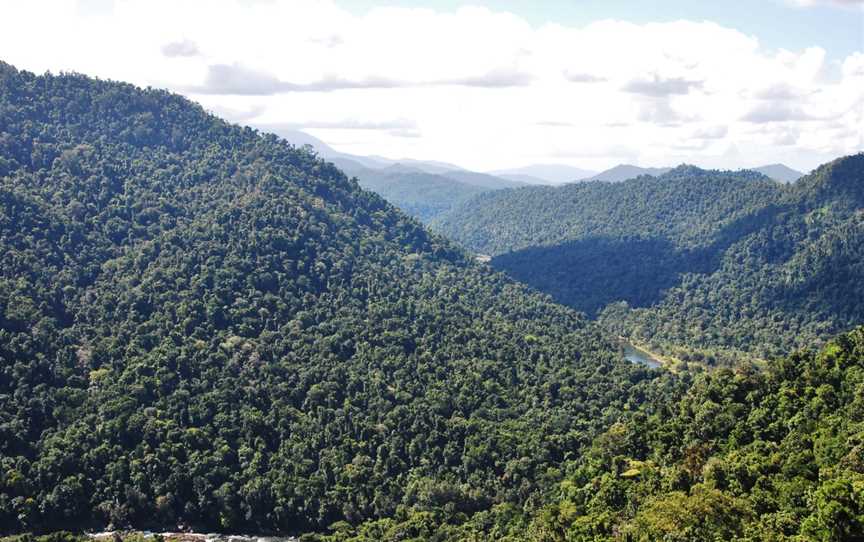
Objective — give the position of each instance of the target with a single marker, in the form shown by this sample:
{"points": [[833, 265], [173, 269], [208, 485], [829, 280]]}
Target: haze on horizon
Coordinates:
{"points": [[487, 85]]}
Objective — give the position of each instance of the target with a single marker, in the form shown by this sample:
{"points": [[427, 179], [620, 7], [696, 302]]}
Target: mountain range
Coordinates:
{"points": [[624, 172], [427, 189], [206, 327]]}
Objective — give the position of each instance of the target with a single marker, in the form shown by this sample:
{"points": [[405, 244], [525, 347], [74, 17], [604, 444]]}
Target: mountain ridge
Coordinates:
{"points": [[203, 324]]}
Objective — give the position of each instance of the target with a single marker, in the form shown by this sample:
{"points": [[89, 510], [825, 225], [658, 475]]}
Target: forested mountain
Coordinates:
{"points": [[687, 206], [425, 195], [202, 324], [708, 263]]}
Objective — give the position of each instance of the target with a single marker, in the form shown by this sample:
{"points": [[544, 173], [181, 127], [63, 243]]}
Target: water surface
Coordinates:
{"points": [[637, 355]]}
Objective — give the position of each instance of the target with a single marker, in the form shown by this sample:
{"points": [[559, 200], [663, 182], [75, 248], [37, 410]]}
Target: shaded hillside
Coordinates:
{"points": [[714, 263], [794, 281], [203, 325]]}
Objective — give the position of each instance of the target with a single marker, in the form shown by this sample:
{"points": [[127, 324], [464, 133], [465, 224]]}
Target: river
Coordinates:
{"points": [[637, 355]]}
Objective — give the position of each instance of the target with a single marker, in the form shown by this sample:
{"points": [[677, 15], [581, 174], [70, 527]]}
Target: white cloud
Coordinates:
{"points": [[236, 79], [710, 132], [777, 112], [473, 86], [180, 48], [657, 85]]}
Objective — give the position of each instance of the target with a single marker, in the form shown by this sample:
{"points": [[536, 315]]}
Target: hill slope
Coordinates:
{"points": [[203, 325], [794, 280]]}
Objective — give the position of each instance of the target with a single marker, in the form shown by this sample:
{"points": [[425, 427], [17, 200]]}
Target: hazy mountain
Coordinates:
{"points": [[418, 193], [525, 179], [779, 172], [624, 172], [428, 166], [347, 160], [421, 188], [483, 180], [545, 174]]}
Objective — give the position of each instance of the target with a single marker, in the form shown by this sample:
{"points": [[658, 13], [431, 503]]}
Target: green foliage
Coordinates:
{"points": [[713, 267], [772, 455], [687, 207], [203, 325]]}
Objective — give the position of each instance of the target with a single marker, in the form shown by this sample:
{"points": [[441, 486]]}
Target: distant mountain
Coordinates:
{"points": [[420, 194], [544, 174], [429, 166], [483, 180], [526, 179], [623, 172], [299, 138], [342, 160], [779, 172], [423, 189]]}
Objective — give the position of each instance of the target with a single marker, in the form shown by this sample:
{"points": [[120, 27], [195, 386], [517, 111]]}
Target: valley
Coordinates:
{"points": [[207, 328], [648, 256]]}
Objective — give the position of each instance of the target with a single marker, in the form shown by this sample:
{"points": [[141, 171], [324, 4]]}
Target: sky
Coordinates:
{"points": [[488, 85]]}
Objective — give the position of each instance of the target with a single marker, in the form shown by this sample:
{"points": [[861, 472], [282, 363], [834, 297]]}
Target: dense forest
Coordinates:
{"points": [[201, 324], [773, 455], [707, 265]]}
